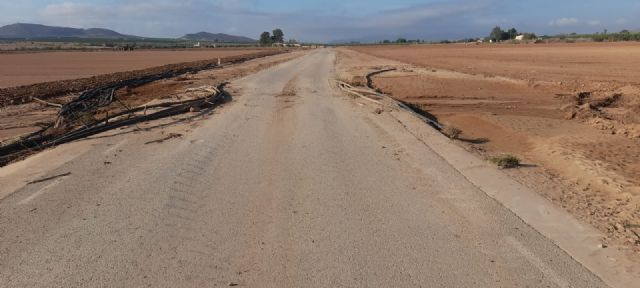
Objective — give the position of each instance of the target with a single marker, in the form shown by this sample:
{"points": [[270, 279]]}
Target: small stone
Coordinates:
{"points": [[233, 284], [570, 115]]}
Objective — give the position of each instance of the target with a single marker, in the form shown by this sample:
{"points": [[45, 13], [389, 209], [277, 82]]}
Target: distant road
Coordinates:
{"points": [[291, 185]]}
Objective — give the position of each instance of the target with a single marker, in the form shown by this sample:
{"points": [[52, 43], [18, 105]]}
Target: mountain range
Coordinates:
{"points": [[217, 37], [37, 31]]}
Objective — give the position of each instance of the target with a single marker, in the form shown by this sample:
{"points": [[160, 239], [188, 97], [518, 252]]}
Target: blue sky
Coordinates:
{"points": [[330, 20]]}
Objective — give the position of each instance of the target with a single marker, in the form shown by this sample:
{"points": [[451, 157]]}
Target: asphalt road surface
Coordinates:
{"points": [[290, 185]]}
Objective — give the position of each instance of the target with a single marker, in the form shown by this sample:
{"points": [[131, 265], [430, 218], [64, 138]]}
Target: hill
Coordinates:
{"points": [[217, 37], [35, 31]]}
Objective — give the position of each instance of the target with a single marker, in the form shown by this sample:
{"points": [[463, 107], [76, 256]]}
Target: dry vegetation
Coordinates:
{"points": [[505, 161]]}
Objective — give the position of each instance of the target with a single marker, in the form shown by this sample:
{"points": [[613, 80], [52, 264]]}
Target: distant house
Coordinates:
{"points": [[520, 37], [197, 45]]}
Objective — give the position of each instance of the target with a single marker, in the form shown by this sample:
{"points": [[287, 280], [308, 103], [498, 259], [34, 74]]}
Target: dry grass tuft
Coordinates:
{"points": [[505, 161], [452, 132]]}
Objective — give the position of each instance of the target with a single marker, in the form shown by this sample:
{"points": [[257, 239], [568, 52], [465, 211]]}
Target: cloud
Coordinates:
{"points": [[622, 21], [171, 18], [149, 18], [594, 23], [416, 14], [67, 13], [562, 22]]}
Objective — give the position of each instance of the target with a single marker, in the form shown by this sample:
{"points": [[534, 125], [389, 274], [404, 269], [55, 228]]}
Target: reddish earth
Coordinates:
{"points": [[19, 69], [22, 118], [46, 90], [583, 150], [577, 66]]}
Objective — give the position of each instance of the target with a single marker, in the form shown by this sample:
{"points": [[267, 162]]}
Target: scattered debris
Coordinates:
{"points": [[49, 178], [170, 136], [77, 119], [47, 103]]}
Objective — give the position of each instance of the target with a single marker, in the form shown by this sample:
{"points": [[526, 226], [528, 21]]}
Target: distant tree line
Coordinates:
{"points": [[497, 35], [267, 38], [402, 41], [624, 35]]}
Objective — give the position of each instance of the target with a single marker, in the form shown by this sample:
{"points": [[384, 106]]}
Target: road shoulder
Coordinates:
{"points": [[579, 240]]}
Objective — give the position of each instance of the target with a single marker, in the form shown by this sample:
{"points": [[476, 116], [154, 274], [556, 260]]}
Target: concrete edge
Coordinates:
{"points": [[580, 240]]}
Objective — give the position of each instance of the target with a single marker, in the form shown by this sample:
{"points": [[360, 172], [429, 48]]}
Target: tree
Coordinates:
{"points": [[512, 33], [496, 34], [265, 39], [401, 40], [278, 36]]}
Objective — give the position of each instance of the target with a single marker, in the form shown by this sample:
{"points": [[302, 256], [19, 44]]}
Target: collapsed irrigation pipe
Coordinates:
{"points": [[359, 92], [411, 108], [93, 99], [367, 95], [370, 76], [13, 151]]}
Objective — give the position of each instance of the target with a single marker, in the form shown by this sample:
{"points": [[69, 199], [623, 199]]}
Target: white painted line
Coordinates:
{"points": [[115, 147], [536, 262], [41, 191]]}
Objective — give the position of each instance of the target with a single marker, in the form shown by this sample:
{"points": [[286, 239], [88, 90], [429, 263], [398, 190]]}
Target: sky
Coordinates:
{"points": [[329, 20]]}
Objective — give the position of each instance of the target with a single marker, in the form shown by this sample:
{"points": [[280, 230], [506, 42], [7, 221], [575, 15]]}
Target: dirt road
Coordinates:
{"points": [[290, 185]]}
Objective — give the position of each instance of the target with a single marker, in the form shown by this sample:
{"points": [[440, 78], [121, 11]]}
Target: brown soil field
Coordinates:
{"points": [[19, 69], [571, 112], [46, 90], [26, 117]]}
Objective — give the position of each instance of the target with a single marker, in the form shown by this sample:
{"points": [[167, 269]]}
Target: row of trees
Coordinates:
{"points": [[401, 41], [624, 35], [497, 34], [267, 38]]}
